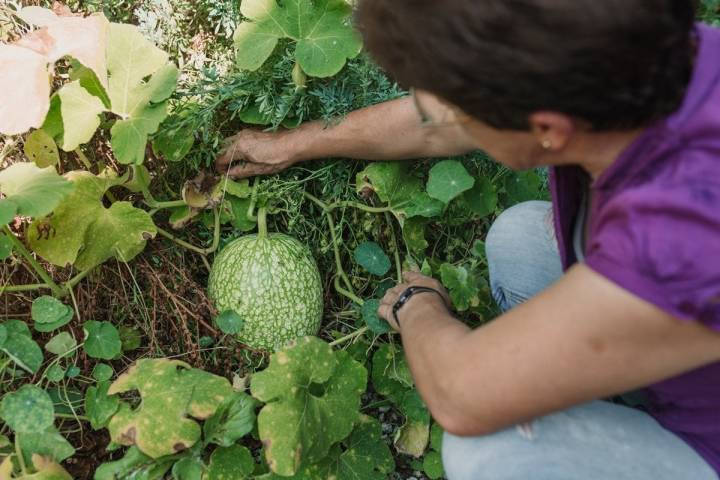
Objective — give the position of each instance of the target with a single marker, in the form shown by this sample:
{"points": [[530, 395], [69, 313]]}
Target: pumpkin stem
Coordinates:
{"points": [[262, 223]]}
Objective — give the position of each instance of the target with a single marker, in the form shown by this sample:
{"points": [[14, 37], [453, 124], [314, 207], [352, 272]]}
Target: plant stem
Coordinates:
{"points": [[165, 205], [19, 455], [202, 251], [345, 293], [72, 417], [20, 247], [77, 278], [24, 288], [357, 333], [83, 158], [396, 248], [262, 223]]}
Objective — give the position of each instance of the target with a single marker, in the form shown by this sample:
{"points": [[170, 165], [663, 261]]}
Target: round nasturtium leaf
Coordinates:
{"points": [[55, 373], [20, 346], [50, 314], [61, 343], [73, 371], [448, 179], [369, 313], [230, 322], [234, 462], [102, 372], [372, 258], [102, 340], [312, 397], [28, 410], [432, 465]]}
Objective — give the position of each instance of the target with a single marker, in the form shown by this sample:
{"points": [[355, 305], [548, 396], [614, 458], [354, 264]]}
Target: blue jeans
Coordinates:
{"points": [[599, 440]]}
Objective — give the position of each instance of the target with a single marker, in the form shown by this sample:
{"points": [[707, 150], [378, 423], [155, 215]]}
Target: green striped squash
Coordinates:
{"points": [[272, 281]]}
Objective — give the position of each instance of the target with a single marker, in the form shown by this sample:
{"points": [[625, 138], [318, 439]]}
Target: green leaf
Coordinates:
{"points": [[448, 179], [369, 313], [521, 187], [390, 373], [230, 322], [413, 231], [240, 208], [233, 462], [188, 468], [482, 199], [89, 81], [20, 346], [141, 81], [239, 189], [3, 335], [73, 371], [82, 232], [55, 373], [80, 113], [102, 372], [234, 419], [131, 338], [50, 314], [28, 410], [6, 245], [49, 444], [159, 427], [134, 465], [61, 343], [372, 258], [322, 31], [413, 408], [102, 340], [412, 438], [312, 397], [436, 437], [422, 205], [174, 143], [392, 182], [31, 191], [99, 406], [41, 149], [432, 466], [463, 287]]}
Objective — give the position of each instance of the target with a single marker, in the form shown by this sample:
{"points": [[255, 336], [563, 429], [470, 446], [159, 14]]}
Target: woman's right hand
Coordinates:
{"points": [[252, 152]]}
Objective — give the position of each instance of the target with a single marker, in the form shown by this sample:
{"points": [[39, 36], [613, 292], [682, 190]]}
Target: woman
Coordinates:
{"points": [[621, 98]]}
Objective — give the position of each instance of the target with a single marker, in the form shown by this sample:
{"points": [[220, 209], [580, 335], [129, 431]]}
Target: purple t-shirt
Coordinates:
{"points": [[655, 231]]}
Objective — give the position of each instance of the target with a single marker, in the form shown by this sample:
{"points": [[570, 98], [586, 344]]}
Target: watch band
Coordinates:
{"points": [[407, 295]]}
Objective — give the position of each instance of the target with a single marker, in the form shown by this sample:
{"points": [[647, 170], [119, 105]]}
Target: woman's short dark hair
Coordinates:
{"points": [[618, 64]]}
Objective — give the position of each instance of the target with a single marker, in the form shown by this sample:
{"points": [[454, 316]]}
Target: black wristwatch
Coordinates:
{"points": [[408, 294]]}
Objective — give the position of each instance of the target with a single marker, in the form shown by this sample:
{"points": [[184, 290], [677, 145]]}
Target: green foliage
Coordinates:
{"points": [[233, 419], [369, 314], [230, 322], [312, 396], [61, 344], [20, 346], [321, 29], [41, 149], [231, 462], [448, 179]]}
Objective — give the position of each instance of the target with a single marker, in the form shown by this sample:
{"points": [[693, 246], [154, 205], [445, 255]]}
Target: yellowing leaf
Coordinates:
{"points": [[84, 233], [24, 89], [171, 393], [31, 191], [80, 112]]}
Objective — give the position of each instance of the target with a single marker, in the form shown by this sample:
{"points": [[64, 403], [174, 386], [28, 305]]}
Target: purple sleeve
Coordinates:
{"points": [[663, 245]]}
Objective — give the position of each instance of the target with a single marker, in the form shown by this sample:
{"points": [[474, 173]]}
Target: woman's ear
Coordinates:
{"points": [[552, 130]]}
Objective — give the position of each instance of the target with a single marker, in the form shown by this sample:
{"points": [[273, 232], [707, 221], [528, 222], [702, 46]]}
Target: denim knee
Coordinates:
{"points": [[522, 253]]}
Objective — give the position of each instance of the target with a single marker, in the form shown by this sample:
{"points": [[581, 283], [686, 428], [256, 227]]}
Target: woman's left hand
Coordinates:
{"points": [[417, 302]]}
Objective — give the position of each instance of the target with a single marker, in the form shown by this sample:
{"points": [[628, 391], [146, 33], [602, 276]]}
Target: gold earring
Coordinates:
{"points": [[547, 144]]}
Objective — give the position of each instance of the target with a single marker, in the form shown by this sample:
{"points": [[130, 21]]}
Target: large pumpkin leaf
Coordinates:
{"points": [[157, 426], [392, 182], [30, 191], [390, 373], [325, 38], [24, 89], [84, 233], [28, 410], [141, 104], [46, 470], [234, 419], [463, 286], [41, 149], [363, 455], [80, 115], [312, 397]]}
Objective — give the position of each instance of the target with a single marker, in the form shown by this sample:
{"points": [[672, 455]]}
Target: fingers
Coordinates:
{"points": [[250, 169]]}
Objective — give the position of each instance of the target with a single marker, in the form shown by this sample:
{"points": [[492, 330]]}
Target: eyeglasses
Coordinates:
{"points": [[450, 116]]}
